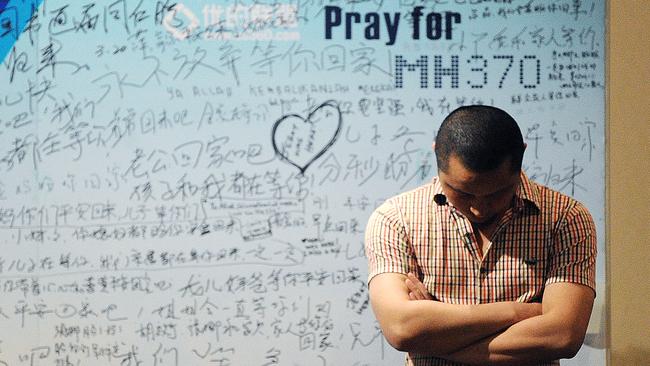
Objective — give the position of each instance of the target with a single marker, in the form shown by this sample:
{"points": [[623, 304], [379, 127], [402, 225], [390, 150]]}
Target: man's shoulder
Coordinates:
{"points": [[554, 201], [409, 202], [416, 196]]}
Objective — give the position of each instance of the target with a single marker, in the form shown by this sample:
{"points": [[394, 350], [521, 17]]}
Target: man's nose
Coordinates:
{"points": [[479, 208]]}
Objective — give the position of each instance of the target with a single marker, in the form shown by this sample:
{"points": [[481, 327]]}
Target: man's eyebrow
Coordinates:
{"points": [[457, 190], [503, 189], [471, 194]]}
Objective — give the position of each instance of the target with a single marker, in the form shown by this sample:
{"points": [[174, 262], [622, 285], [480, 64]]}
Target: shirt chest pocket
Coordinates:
{"points": [[529, 277]]}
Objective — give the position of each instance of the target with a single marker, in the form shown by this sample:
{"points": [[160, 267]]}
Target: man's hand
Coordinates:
{"points": [[417, 290]]}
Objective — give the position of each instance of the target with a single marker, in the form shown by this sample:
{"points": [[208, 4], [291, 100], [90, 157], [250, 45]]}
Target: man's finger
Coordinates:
{"points": [[413, 289], [410, 284], [417, 286]]}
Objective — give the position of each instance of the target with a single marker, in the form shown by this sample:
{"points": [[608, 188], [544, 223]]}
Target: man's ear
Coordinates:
{"points": [[433, 146], [525, 146]]}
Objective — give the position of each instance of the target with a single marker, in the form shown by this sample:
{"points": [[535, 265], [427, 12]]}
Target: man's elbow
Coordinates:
{"points": [[408, 337], [569, 343], [400, 337]]}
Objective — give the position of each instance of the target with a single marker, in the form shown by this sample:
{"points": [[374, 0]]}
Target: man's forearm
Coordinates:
{"points": [[530, 341], [558, 333], [435, 328]]}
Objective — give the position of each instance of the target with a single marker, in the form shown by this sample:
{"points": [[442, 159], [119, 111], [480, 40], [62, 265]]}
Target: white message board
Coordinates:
{"points": [[188, 183]]}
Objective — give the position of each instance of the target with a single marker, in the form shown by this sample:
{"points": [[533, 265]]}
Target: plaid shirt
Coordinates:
{"points": [[545, 237]]}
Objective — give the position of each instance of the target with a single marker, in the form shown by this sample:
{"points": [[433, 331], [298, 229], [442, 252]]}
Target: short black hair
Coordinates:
{"points": [[482, 137]]}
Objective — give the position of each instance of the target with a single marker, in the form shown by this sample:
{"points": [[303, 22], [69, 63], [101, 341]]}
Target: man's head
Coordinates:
{"points": [[482, 137], [479, 150]]}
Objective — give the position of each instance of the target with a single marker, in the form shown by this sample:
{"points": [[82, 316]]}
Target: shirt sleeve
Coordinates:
{"points": [[574, 249], [387, 245]]}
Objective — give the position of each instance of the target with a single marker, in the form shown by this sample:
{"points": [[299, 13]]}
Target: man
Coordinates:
{"points": [[458, 267]]}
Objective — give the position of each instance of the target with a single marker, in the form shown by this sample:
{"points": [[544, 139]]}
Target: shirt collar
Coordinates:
{"points": [[437, 187], [527, 193]]}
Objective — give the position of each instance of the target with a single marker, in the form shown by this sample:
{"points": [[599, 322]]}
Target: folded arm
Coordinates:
{"points": [[566, 304], [557, 333], [436, 328]]}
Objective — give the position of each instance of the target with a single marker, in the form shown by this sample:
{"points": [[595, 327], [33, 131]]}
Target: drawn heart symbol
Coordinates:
{"points": [[300, 141]]}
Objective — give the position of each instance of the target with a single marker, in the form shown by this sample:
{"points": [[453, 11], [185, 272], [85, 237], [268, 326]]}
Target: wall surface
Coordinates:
{"points": [[629, 179]]}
